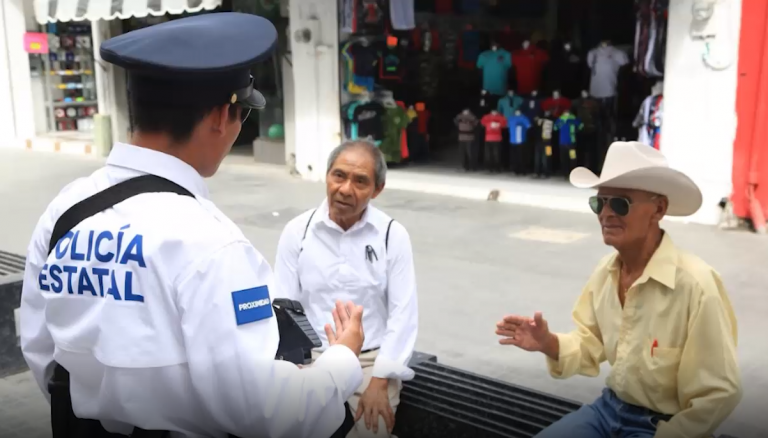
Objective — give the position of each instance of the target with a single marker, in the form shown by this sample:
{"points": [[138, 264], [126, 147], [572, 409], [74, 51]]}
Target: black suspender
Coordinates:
{"points": [[109, 198], [306, 228]]}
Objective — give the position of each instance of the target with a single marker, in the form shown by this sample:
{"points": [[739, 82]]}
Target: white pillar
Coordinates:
{"points": [[699, 120], [102, 70], [17, 120], [317, 120]]}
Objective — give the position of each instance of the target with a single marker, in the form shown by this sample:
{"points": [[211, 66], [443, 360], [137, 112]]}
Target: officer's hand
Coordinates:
{"points": [[530, 334], [349, 327]]}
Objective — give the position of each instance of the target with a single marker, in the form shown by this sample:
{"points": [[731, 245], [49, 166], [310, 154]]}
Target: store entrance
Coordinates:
{"points": [[527, 88]]}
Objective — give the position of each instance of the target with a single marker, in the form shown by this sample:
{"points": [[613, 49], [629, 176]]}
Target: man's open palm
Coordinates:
{"points": [[530, 334]]}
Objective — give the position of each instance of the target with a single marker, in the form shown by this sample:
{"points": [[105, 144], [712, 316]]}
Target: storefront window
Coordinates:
{"points": [[69, 83]]}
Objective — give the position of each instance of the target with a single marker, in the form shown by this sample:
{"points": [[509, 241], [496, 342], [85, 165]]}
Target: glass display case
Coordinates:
{"points": [[70, 82]]}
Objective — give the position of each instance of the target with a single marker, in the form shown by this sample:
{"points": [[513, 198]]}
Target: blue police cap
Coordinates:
{"points": [[200, 60]]}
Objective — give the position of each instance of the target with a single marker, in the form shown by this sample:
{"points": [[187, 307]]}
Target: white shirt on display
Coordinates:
{"points": [[605, 63], [331, 264], [160, 310], [402, 13]]}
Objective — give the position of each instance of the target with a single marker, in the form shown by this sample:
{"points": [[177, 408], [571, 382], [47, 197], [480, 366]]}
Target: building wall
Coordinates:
{"points": [[700, 101], [16, 98]]}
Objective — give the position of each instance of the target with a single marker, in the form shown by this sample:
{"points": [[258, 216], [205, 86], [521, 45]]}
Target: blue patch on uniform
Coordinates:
{"points": [[252, 305]]}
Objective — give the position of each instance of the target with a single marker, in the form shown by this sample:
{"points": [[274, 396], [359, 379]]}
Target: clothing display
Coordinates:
{"points": [[466, 122], [469, 48], [401, 14], [568, 125], [509, 104], [493, 123], [651, 37], [404, 153], [524, 75], [518, 126], [543, 146], [391, 65], [449, 48], [565, 73], [425, 39], [648, 120], [369, 17], [531, 107], [444, 7], [529, 64], [605, 62], [365, 58], [587, 110], [395, 120], [367, 118], [495, 65], [556, 105], [347, 16], [429, 73], [494, 155], [469, 7]]}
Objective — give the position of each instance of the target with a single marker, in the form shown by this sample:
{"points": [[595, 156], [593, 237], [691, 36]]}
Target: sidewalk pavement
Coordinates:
{"points": [[475, 261]]}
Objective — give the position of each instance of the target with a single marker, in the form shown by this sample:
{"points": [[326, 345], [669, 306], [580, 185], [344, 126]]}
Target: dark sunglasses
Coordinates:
{"points": [[619, 205]]}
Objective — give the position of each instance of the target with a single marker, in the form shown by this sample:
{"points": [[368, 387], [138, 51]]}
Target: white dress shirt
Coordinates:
{"points": [[330, 264], [140, 305]]}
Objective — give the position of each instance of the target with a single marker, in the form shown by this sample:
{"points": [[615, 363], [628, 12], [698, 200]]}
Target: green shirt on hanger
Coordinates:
{"points": [[395, 120]]}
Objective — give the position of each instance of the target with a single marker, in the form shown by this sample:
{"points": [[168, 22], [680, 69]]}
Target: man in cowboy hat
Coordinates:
{"points": [[660, 316]]}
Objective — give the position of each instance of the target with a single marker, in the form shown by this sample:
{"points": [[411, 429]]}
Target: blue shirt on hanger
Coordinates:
{"points": [[567, 125], [518, 128]]}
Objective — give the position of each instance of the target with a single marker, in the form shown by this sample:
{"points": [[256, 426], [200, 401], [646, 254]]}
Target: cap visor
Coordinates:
{"points": [[255, 101]]}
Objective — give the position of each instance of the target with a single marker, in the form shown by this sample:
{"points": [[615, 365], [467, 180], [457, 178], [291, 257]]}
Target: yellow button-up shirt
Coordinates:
{"points": [[672, 347]]}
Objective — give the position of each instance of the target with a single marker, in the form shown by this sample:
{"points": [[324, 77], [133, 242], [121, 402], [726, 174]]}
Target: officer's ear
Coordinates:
{"points": [[222, 117]]}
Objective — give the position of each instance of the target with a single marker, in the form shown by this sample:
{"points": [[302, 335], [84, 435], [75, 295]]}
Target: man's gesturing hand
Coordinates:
{"points": [[349, 327], [528, 334], [374, 403]]}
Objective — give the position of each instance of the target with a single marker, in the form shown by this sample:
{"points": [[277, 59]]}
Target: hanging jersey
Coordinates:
{"points": [[568, 125], [401, 14], [518, 128]]}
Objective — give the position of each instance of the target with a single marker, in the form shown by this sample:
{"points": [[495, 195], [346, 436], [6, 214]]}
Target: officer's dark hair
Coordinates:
{"points": [[176, 121], [379, 162]]}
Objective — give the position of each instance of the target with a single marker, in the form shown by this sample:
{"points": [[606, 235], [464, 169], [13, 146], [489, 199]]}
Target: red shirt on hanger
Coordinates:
{"points": [[556, 107], [444, 6], [417, 36], [529, 64], [403, 137], [494, 124], [423, 120]]}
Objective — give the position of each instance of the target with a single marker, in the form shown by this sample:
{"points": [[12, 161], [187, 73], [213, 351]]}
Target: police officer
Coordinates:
{"points": [[157, 305]]}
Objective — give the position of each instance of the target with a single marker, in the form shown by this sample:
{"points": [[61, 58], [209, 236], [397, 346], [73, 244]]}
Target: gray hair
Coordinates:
{"points": [[379, 162]]}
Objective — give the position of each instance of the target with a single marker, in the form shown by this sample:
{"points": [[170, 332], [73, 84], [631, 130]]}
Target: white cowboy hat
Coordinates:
{"points": [[633, 165]]}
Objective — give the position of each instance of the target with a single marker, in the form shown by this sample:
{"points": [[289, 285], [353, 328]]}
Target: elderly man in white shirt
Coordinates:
{"points": [[346, 249]]}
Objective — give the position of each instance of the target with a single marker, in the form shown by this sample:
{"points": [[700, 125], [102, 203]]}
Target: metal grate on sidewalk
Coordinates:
{"points": [[11, 263]]}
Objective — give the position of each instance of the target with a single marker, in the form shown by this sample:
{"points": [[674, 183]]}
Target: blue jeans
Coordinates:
{"points": [[606, 417]]}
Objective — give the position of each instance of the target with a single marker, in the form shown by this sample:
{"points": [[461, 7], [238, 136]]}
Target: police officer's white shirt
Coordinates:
{"points": [[156, 308], [331, 264]]}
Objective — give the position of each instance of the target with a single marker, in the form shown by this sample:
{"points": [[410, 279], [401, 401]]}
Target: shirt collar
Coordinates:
{"points": [[366, 219], [662, 266], [158, 163]]}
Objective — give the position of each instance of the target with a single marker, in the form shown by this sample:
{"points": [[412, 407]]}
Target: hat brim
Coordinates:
{"points": [[684, 195], [255, 100]]}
